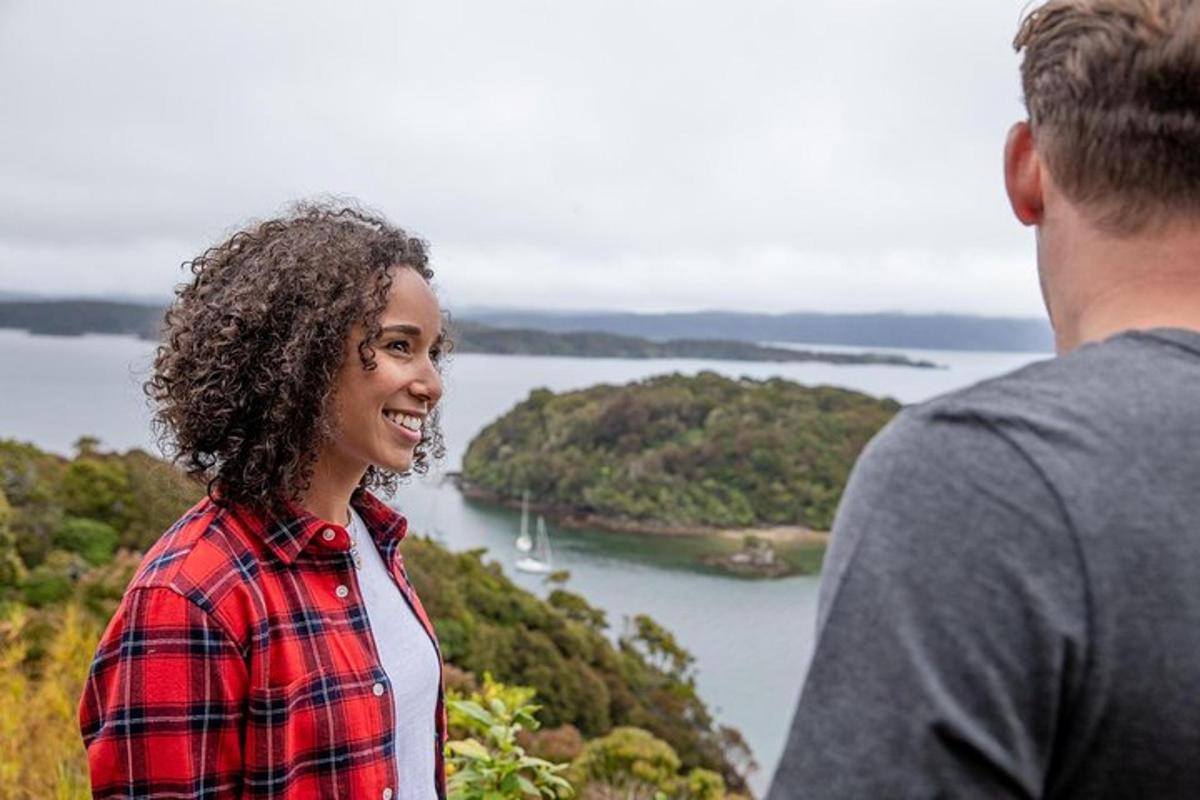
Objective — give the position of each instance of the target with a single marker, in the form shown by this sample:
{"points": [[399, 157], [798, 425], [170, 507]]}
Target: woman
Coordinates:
{"points": [[270, 644]]}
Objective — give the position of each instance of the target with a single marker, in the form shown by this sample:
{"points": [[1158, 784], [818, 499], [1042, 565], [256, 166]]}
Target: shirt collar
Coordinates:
{"points": [[289, 532]]}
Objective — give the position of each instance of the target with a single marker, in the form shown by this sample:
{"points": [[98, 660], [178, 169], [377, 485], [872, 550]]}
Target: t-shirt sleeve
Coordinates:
{"points": [[952, 626]]}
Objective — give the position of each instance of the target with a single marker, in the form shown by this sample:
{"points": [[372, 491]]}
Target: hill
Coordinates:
{"points": [[77, 317], [927, 331], [71, 534], [471, 337], [674, 451]]}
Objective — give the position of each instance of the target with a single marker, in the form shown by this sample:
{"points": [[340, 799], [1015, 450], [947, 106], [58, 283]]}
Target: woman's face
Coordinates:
{"points": [[379, 414]]}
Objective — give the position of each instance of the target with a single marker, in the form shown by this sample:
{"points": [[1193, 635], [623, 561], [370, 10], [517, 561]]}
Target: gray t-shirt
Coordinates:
{"points": [[1011, 601]]}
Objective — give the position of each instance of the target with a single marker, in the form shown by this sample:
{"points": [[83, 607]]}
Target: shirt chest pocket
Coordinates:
{"points": [[319, 735]]}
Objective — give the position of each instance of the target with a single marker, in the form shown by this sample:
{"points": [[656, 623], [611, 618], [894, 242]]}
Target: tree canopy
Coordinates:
{"points": [[703, 451]]}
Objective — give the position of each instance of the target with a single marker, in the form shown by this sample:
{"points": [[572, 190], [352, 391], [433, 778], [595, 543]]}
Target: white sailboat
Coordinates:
{"points": [[541, 561], [524, 543]]}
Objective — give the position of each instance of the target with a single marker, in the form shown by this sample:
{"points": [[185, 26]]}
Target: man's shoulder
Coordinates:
{"points": [[1039, 391], [1104, 391], [946, 453], [1031, 396]]}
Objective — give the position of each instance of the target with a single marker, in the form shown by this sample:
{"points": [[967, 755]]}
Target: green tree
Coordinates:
{"points": [[633, 763], [11, 568], [98, 489], [704, 451], [629, 759], [660, 647], [95, 541]]}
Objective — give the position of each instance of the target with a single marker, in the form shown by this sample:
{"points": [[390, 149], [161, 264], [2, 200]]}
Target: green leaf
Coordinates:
{"points": [[474, 711], [469, 748]]}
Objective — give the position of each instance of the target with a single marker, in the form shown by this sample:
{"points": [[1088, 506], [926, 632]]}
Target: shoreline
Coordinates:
{"points": [[568, 517], [778, 551]]}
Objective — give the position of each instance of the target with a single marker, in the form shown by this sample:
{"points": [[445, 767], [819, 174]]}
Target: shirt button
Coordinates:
{"points": [[341, 590], [377, 689], [328, 535], [387, 793]]}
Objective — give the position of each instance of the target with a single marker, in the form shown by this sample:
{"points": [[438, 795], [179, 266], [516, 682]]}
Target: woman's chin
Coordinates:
{"points": [[398, 462]]}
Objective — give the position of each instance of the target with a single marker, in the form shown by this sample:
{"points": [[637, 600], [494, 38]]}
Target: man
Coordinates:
{"points": [[1011, 603]]}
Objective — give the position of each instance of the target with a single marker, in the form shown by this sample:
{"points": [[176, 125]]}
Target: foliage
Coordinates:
{"points": [[631, 763], [67, 583], [492, 765], [659, 647], [40, 752], [97, 489], [133, 493], [487, 624], [700, 451], [577, 608], [94, 540], [12, 571]]}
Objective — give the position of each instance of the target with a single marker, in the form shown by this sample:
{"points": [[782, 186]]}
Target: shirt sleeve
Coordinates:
{"points": [[162, 707], [952, 624]]}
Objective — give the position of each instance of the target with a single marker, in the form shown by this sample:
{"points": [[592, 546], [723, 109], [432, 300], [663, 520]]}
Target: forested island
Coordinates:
{"points": [[472, 337], [77, 317], [73, 530], [681, 455], [880, 329]]}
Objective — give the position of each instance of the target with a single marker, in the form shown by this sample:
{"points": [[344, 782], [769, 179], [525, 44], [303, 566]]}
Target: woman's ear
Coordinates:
{"points": [[1023, 175]]}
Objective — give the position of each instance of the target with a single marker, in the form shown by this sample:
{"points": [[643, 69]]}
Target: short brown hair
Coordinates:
{"points": [[253, 344], [1112, 88]]}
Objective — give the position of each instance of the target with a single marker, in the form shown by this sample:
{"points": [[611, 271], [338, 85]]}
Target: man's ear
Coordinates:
{"points": [[1023, 175]]}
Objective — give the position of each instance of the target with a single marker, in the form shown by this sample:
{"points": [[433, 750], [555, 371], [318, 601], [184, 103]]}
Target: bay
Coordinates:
{"points": [[751, 639]]}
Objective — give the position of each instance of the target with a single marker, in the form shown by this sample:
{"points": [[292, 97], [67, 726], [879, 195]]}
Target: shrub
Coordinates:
{"points": [[94, 540], [41, 755], [492, 765]]}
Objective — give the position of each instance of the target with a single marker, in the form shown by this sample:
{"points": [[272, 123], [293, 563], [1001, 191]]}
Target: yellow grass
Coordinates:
{"points": [[41, 754]]}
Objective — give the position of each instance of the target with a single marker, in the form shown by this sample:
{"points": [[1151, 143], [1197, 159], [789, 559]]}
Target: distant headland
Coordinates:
{"points": [[78, 317]]}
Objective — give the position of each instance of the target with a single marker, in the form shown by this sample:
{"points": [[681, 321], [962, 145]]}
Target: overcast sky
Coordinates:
{"points": [[772, 156]]}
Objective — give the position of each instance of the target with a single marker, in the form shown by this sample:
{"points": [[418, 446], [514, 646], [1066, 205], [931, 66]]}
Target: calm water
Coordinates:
{"points": [[751, 639]]}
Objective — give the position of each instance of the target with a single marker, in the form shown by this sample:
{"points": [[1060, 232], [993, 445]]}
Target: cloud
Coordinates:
{"points": [[662, 154]]}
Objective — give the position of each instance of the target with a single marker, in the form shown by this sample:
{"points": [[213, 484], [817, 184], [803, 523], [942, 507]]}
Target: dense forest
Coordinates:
{"points": [[680, 451], [75, 317], [71, 535]]}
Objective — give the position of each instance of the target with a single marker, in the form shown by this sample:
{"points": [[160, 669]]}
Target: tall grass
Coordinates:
{"points": [[44, 658]]}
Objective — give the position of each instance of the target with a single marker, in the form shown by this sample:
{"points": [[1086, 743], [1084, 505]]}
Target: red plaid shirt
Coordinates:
{"points": [[241, 664]]}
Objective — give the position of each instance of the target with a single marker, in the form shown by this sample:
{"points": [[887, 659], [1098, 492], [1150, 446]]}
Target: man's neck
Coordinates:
{"points": [[1115, 284]]}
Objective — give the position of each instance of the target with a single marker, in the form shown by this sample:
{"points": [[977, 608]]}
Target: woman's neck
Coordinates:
{"points": [[329, 492]]}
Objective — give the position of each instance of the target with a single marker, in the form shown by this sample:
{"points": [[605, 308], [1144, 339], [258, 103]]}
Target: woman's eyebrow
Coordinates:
{"points": [[411, 330]]}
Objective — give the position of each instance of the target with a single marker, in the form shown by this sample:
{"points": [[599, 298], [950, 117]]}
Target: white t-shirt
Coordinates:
{"points": [[406, 654]]}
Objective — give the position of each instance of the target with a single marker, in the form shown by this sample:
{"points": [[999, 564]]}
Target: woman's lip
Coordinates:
{"points": [[401, 431]]}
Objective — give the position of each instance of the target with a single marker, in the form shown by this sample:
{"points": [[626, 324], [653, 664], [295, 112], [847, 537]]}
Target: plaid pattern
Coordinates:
{"points": [[241, 664]]}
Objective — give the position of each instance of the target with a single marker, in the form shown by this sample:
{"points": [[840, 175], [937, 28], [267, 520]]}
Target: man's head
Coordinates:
{"points": [[1112, 88], [1108, 164]]}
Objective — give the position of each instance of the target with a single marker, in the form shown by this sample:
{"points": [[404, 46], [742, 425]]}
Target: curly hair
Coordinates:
{"points": [[252, 346]]}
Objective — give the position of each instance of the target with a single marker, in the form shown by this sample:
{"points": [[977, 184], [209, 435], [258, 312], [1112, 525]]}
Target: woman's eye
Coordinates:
{"points": [[399, 346]]}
